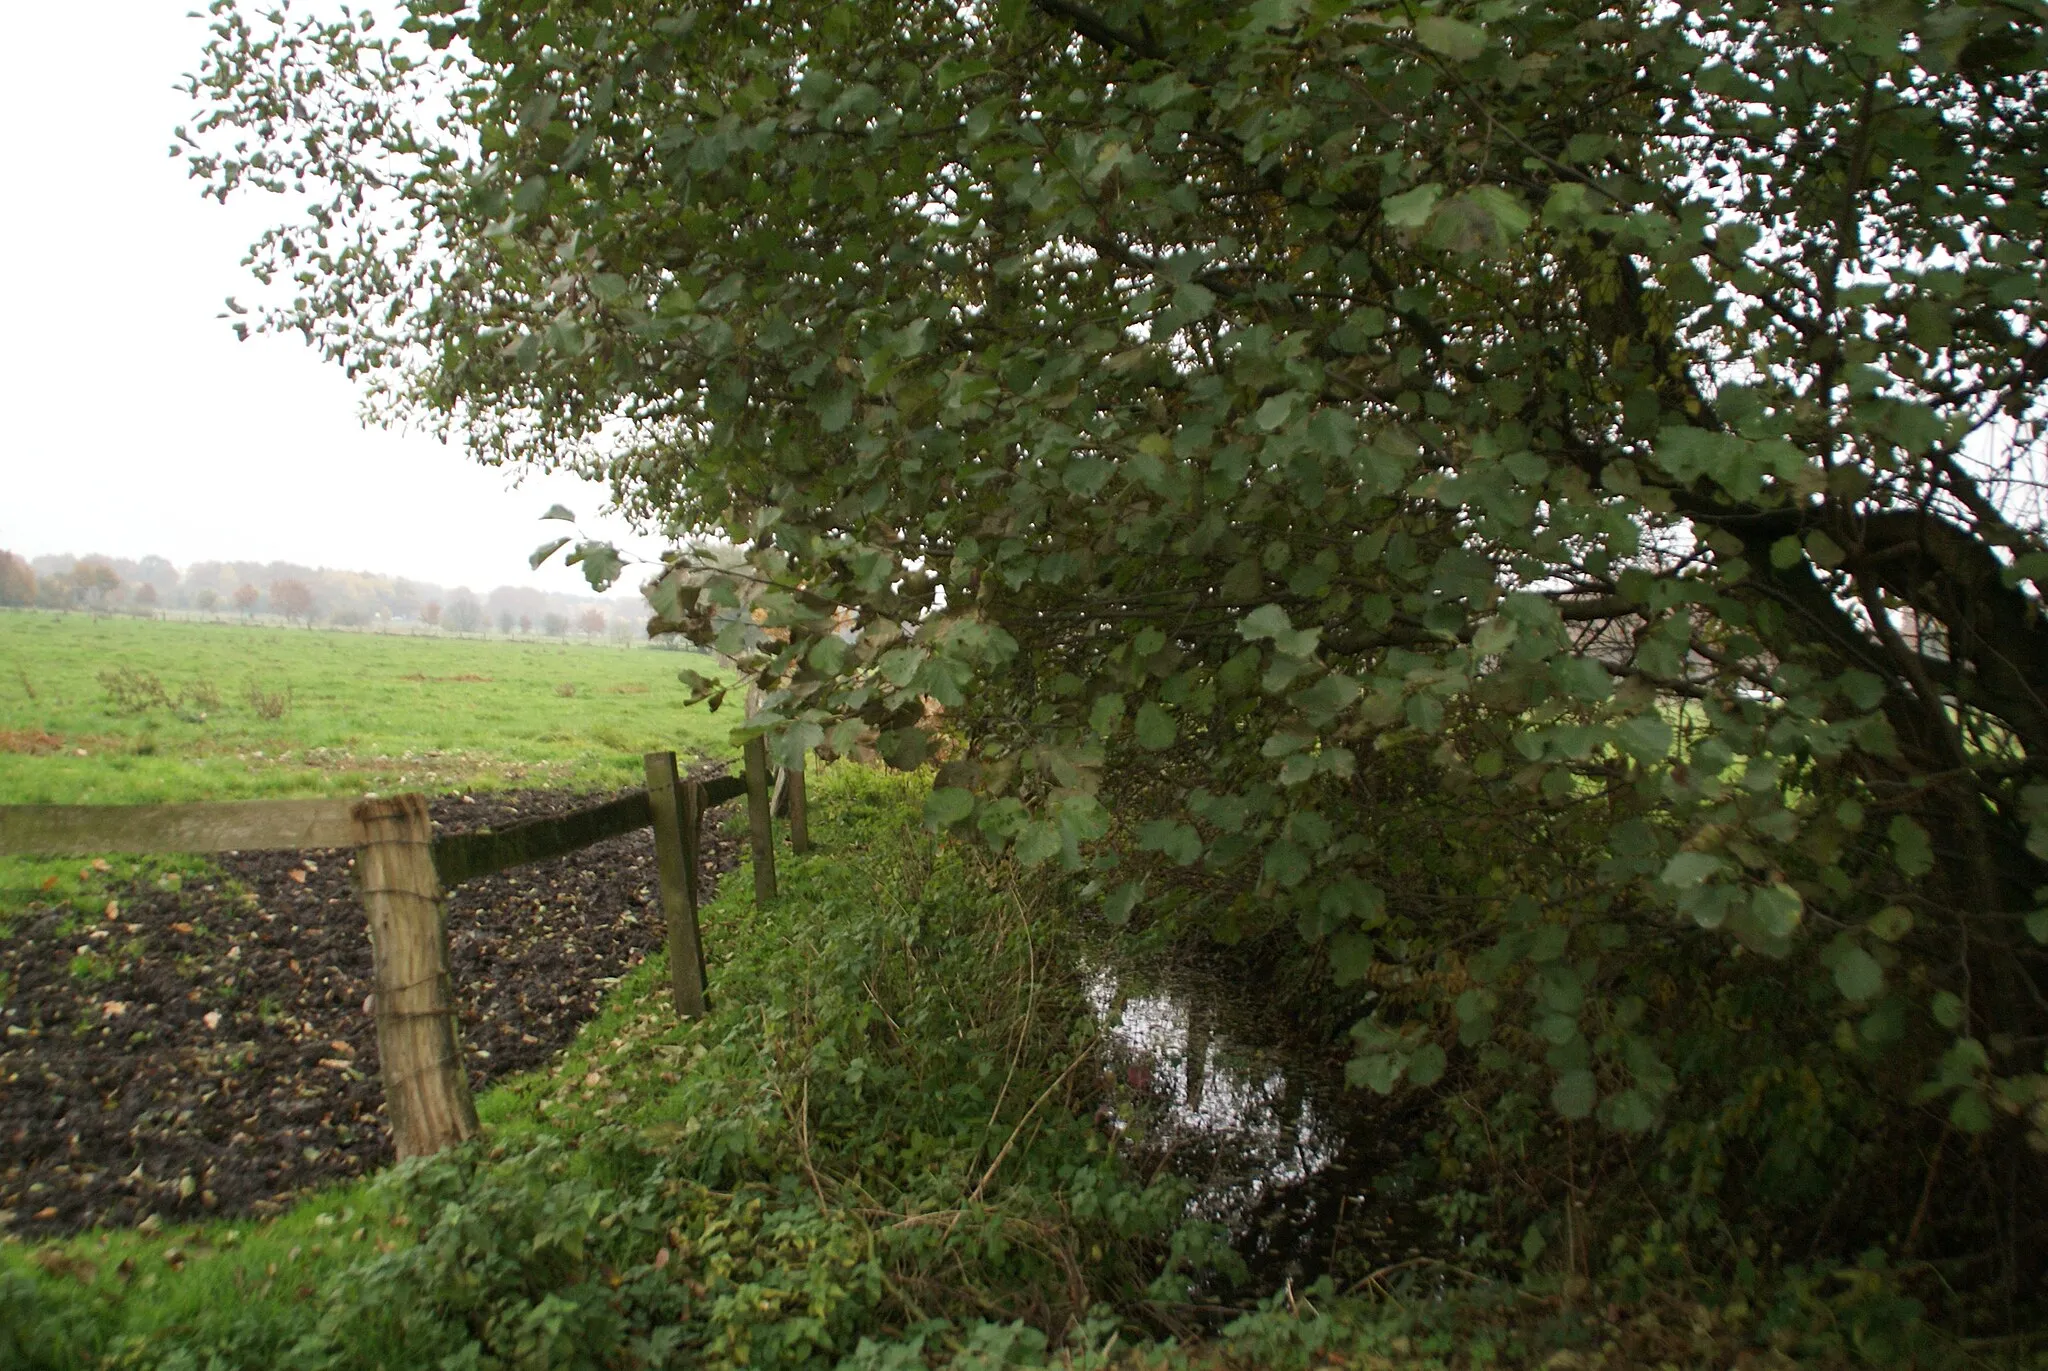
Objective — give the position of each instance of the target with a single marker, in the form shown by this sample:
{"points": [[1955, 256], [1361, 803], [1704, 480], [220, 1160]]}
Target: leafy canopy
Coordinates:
{"points": [[1612, 424]]}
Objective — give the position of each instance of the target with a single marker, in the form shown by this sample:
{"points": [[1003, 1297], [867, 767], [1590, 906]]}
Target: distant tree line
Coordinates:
{"points": [[299, 594]]}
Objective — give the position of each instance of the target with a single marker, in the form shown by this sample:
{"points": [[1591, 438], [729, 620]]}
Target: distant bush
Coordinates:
{"points": [[17, 581]]}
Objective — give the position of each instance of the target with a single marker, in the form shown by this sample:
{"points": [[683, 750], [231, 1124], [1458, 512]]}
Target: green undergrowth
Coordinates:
{"points": [[879, 1151], [882, 1130]]}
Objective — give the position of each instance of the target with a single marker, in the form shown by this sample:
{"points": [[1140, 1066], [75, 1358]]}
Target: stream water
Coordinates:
{"points": [[1305, 1173]]}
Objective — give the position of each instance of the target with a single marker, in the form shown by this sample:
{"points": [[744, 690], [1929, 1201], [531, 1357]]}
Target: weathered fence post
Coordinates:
{"points": [[799, 813], [756, 753], [426, 1086], [675, 855]]}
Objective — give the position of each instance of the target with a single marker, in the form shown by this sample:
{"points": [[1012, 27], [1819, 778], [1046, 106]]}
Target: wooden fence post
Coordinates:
{"points": [[675, 857], [756, 753], [799, 813], [426, 1084]]}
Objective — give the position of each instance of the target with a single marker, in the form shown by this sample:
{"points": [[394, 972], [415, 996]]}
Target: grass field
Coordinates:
{"points": [[128, 711]]}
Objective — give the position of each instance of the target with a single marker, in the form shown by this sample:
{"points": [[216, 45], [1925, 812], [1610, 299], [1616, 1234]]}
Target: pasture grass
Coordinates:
{"points": [[131, 711]]}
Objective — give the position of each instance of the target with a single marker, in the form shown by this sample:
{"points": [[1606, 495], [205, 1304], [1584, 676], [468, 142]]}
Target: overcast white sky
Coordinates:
{"points": [[131, 421]]}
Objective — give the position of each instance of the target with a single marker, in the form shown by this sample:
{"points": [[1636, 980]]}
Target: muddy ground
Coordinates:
{"points": [[205, 1050]]}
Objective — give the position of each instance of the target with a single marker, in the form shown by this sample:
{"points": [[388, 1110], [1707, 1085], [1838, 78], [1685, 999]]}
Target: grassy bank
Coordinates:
{"points": [[879, 1150], [126, 711]]}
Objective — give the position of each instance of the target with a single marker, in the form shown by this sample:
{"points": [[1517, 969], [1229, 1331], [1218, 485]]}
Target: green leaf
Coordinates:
{"points": [[1573, 1094], [1857, 975], [1568, 203], [1777, 909], [1891, 923], [1155, 728], [1970, 1112], [1910, 846], [1494, 636], [1106, 713], [1646, 736], [1629, 1111], [1688, 869], [559, 512], [1947, 1008], [1510, 217], [1825, 551], [899, 665], [1038, 843], [1287, 864], [1454, 38], [1118, 904], [948, 806], [601, 564], [1178, 842], [1377, 1071], [1411, 209], [1327, 698], [834, 408], [828, 654], [1861, 689], [545, 551], [1275, 411], [1267, 621], [1426, 1065], [1582, 678], [789, 745], [1351, 957]]}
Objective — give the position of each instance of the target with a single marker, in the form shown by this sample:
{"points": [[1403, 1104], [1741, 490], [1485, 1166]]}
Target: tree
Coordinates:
{"points": [[506, 623], [245, 598], [293, 599], [431, 614], [94, 583], [525, 624], [464, 614], [591, 621], [206, 600], [17, 581], [1285, 437], [554, 625], [145, 595]]}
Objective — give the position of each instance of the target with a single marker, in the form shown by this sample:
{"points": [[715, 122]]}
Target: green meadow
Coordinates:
{"points": [[130, 711]]}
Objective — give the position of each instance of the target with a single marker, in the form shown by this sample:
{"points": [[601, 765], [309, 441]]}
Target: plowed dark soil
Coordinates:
{"points": [[206, 1050]]}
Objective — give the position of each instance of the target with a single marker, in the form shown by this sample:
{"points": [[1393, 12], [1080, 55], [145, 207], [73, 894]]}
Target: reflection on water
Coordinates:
{"points": [[1303, 1173]]}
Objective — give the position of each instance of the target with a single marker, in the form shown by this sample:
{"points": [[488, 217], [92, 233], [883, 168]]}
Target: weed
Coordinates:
{"points": [[269, 704], [133, 691], [93, 967], [29, 741], [567, 690]]}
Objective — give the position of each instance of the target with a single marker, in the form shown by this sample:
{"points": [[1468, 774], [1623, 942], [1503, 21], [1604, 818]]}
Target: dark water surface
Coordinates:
{"points": [[1306, 1173]]}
